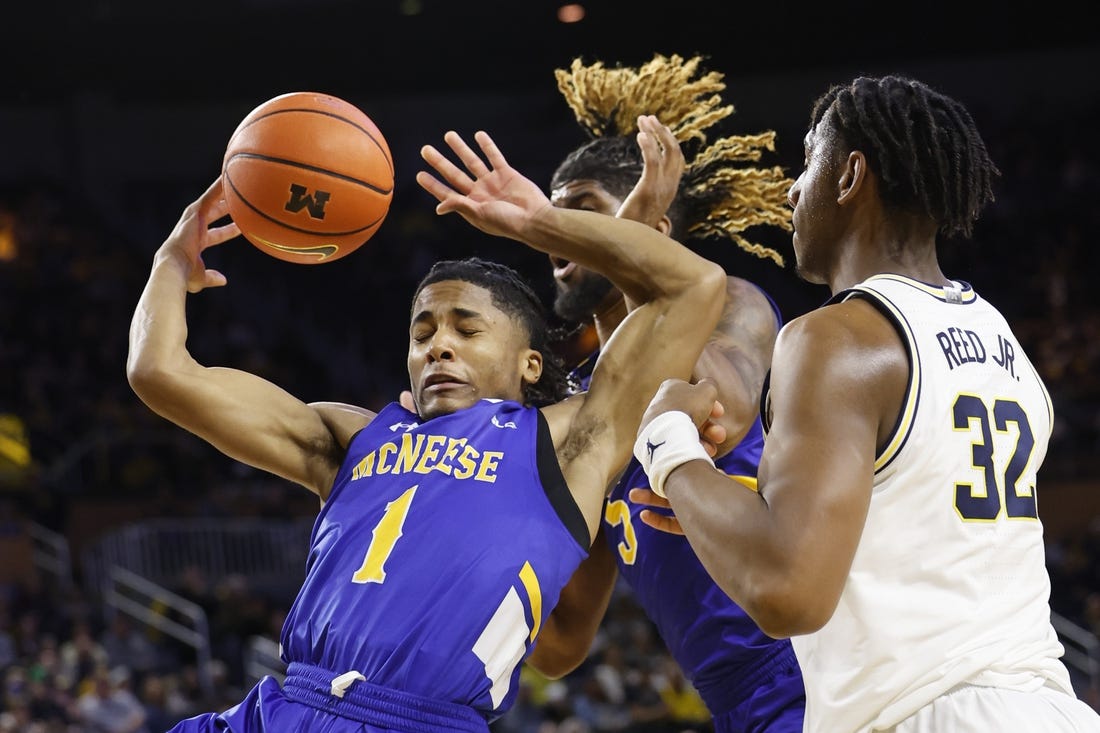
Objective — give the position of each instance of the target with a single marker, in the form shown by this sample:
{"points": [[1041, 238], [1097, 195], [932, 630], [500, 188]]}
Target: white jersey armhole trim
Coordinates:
{"points": [[904, 423]]}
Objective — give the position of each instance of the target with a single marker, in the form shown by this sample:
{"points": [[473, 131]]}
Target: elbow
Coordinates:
{"points": [[713, 281], [782, 611], [151, 381], [143, 376], [785, 622], [709, 291], [553, 664], [698, 296], [707, 295], [553, 671]]}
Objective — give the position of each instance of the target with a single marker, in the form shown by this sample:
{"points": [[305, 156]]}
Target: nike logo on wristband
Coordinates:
{"points": [[650, 448]]}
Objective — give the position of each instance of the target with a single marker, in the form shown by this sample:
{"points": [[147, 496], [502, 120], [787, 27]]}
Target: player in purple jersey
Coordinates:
{"points": [[749, 681], [445, 534]]}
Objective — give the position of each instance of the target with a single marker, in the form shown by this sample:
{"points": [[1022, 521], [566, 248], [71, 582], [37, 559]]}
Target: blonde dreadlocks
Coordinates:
{"points": [[718, 196]]}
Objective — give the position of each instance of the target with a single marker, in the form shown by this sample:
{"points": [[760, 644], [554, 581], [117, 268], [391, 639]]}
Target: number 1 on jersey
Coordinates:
{"points": [[385, 536]]}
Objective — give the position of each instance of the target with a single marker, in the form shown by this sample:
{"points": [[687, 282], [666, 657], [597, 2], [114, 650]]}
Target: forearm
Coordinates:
{"points": [[567, 636], [658, 340], [643, 263], [741, 542], [158, 331]]}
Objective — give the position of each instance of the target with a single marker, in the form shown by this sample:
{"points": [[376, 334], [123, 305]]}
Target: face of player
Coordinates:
{"points": [[579, 292], [813, 196], [462, 348]]}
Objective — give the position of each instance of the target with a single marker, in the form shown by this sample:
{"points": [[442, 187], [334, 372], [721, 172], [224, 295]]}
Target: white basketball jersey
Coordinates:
{"points": [[949, 583]]}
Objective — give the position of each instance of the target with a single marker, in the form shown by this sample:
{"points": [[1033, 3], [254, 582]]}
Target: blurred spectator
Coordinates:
{"points": [[185, 696], [686, 709], [128, 647], [50, 704], [7, 641], [108, 707], [82, 655], [154, 696], [240, 613]]}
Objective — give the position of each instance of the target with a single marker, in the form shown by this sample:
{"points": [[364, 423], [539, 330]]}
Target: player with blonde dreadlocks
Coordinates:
{"points": [[649, 160], [718, 195]]}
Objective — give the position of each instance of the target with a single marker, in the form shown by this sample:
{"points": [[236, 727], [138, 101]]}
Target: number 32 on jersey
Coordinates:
{"points": [[981, 500]]}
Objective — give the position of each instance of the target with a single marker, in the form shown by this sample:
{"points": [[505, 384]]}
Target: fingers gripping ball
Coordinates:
{"points": [[308, 177]]}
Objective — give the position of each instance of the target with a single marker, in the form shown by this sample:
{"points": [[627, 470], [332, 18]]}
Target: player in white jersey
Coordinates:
{"points": [[895, 536]]}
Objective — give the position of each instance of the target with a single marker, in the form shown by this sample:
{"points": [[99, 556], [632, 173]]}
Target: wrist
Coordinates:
{"points": [[543, 229], [172, 258], [666, 443]]}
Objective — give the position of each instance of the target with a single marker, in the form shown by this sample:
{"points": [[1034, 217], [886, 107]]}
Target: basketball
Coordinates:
{"points": [[308, 177]]}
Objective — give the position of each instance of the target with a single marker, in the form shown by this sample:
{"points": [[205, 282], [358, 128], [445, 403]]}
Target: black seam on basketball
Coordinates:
{"points": [[313, 168], [283, 224], [382, 148]]}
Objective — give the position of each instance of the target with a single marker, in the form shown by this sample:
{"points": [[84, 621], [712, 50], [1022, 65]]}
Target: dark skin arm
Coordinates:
{"points": [[571, 627], [566, 638], [738, 353], [783, 554], [736, 357], [243, 415]]}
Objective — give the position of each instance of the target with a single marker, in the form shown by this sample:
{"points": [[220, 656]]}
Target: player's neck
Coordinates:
{"points": [[915, 260]]}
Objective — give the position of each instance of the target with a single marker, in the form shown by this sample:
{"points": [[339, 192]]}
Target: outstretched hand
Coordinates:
{"points": [[490, 194], [193, 235], [662, 168]]}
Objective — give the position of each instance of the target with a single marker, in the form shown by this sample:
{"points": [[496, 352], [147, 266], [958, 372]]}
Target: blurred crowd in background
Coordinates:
{"points": [[81, 456]]}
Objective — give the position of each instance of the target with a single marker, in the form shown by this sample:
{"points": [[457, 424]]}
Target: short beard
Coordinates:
{"points": [[582, 299]]}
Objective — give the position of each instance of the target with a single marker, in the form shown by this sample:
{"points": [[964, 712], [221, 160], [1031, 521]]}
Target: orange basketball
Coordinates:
{"points": [[308, 177]]}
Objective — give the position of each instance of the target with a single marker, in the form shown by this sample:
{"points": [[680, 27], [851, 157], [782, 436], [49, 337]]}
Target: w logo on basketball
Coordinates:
{"points": [[300, 199]]}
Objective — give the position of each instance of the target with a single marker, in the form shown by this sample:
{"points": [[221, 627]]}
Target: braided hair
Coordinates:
{"points": [[922, 145], [718, 195], [514, 296]]}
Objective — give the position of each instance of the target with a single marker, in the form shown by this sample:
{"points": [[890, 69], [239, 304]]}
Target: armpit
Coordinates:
{"points": [[327, 452], [583, 433]]}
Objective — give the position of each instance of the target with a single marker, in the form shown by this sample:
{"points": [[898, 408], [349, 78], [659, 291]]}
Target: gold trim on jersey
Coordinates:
{"points": [[749, 482], [1046, 397], [909, 408], [534, 594], [966, 293]]}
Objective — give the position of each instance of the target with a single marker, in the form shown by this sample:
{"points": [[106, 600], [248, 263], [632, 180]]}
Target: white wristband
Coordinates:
{"points": [[669, 441]]}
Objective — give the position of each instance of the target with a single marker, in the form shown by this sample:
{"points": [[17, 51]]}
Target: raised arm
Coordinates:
{"points": [[498, 200], [738, 353], [681, 296], [242, 415], [737, 357], [569, 631]]}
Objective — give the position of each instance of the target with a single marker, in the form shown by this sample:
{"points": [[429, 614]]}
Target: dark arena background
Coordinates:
{"points": [[134, 552]]}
